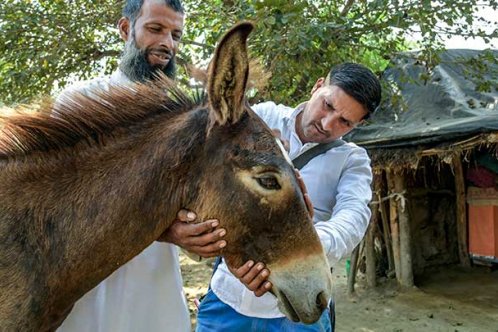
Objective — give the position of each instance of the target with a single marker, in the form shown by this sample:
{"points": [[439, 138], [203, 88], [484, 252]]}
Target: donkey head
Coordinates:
{"points": [[251, 187]]}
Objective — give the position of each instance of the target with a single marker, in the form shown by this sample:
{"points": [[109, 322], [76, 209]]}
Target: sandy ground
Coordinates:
{"points": [[449, 299]]}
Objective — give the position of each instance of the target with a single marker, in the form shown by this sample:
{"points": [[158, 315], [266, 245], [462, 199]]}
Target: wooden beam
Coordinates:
{"points": [[352, 269], [385, 226], [461, 211], [405, 241], [369, 248], [370, 236], [393, 221]]}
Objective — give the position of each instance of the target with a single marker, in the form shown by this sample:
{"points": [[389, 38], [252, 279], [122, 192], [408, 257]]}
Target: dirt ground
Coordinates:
{"points": [[449, 299]]}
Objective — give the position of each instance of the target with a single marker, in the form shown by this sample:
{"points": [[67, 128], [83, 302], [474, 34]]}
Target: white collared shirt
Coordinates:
{"points": [[145, 294], [96, 84], [338, 182]]}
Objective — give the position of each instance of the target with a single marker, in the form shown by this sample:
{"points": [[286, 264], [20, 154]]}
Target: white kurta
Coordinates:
{"points": [[338, 183], [145, 294]]}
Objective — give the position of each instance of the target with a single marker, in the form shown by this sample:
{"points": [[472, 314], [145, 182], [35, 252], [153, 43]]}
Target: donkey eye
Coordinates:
{"points": [[268, 182]]}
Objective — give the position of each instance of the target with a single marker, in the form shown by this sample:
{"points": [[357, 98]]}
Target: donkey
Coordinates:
{"points": [[83, 192]]}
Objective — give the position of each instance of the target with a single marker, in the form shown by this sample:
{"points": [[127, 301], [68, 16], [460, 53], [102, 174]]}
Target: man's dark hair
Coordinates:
{"points": [[359, 82], [132, 8]]}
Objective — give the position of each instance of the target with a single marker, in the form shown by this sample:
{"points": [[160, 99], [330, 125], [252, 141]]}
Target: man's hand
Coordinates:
{"points": [[278, 134], [254, 277], [307, 199], [201, 238]]}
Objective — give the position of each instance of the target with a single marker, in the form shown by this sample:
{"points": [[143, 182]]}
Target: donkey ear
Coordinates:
{"points": [[227, 77]]}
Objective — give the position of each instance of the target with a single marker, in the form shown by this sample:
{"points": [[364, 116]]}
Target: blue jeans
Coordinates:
{"points": [[214, 315]]}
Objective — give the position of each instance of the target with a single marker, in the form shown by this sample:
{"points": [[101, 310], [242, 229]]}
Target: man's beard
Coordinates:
{"points": [[136, 67]]}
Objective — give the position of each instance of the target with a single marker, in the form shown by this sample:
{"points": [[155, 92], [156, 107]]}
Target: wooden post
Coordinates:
{"points": [[393, 220], [352, 269], [386, 232], [385, 223], [461, 211], [370, 236], [370, 250], [405, 247]]}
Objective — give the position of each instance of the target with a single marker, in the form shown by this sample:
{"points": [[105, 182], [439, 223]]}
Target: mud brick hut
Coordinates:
{"points": [[434, 156]]}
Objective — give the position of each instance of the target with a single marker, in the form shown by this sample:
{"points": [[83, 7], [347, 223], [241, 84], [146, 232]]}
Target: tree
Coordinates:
{"points": [[47, 42]]}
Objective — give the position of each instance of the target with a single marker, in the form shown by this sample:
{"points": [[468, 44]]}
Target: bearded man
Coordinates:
{"points": [[146, 293]]}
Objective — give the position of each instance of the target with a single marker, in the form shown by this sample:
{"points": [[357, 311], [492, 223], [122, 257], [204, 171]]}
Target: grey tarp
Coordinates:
{"points": [[444, 108]]}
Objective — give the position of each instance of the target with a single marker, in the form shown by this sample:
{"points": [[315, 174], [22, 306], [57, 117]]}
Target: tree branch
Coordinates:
{"points": [[347, 7], [191, 42]]}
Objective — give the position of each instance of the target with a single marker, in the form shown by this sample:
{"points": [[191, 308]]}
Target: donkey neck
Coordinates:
{"points": [[149, 177]]}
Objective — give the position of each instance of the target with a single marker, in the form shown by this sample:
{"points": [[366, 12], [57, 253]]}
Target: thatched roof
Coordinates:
{"points": [[452, 108], [410, 156]]}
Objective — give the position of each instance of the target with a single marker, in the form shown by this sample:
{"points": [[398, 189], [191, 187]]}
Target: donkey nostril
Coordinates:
{"points": [[322, 301]]}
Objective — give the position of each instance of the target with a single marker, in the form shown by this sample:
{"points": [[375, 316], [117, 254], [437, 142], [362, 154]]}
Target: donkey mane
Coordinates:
{"points": [[78, 116]]}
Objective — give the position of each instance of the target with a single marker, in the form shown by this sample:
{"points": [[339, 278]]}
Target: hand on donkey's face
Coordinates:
{"points": [[285, 143], [307, 198], [253, 276], [200, 238]]}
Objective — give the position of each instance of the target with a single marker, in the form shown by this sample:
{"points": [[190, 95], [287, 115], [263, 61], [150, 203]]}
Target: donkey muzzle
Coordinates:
{"points": [[303, 287]]}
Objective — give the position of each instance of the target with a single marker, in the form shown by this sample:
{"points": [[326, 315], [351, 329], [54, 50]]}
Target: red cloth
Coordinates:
{"points": [[481, 177]]}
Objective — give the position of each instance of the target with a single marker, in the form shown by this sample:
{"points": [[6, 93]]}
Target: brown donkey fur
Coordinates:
{"points": [[84, 190]]}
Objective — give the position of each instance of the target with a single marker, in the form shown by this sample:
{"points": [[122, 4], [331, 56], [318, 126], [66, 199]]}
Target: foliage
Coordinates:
{"points": [[47, 42]]}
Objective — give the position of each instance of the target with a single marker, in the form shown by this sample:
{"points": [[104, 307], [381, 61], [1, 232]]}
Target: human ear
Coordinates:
{"points": [[124, 28], [318, 85]]}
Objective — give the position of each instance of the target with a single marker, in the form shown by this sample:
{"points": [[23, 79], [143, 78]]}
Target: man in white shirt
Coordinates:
{"points": [[146, 293], [338, 184]]}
